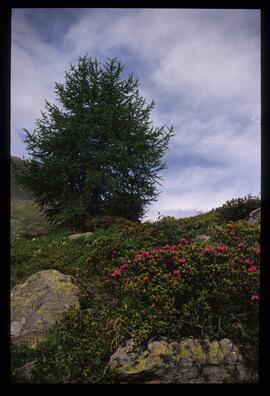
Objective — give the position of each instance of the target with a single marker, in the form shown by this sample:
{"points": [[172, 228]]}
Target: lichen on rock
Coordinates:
{"points": [[38, 303], [188, 361]]}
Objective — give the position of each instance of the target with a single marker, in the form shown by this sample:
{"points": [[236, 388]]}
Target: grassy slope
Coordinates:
{"points": [[16, 190], [79, 347], [26, 219]]}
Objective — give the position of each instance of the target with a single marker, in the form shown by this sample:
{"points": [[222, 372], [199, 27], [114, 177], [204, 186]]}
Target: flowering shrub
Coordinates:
{"points": [[195, 288], [238, 208], [239, 234], [148, 280]]}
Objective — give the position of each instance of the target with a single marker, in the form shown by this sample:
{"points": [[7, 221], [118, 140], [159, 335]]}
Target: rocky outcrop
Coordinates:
{"points": [[202, 237], [38, 303], [255, 216], [84, 235], [188, 361]]}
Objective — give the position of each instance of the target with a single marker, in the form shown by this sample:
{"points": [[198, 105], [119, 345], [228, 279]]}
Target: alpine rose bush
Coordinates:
{"points": [[195, 288], [146, 281]]}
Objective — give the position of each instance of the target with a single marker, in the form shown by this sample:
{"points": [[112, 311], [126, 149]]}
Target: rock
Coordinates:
{"points": [[82, 235], [25, 373], [218, 228], [188, 361], [217, 373], [38, 303], [255, 216], [202, 238]]}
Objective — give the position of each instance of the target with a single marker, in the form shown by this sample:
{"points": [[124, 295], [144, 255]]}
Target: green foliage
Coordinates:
{"points": [[98, 155], [133, 285], [20, 355], [169, 229], [16, 191], [75, 351], [238, 208], [26, 221], [105, 222], [207, 292]]}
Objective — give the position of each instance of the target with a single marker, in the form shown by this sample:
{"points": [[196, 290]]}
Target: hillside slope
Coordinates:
{"points": [[16, 191], [173, 278]]}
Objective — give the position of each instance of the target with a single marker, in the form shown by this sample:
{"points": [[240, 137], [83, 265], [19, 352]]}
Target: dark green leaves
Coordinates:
{"points": [[99, 154]]}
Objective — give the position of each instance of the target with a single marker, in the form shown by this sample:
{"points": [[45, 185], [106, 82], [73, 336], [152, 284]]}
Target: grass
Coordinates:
{"points": [[79, 346], [26, 220]]}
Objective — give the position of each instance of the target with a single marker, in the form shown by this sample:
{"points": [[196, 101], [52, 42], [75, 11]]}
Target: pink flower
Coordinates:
{"points": [[138, 256], [252, 268], [182, 260], [222, 247], [157, 251], [208, 249], [183, 241], [176, 273], [116, 272], [153, 305], [124, 266], [241, 245], [146, 278], [258, 250], [126, 282], [254, 297], [248, 261], [167, 246]]}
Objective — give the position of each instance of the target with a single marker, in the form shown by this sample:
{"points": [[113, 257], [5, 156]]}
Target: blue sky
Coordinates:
{"points": [[201, 67]]}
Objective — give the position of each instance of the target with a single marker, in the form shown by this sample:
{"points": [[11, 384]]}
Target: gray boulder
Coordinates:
{"points": [[38, 303], [188, 361]]}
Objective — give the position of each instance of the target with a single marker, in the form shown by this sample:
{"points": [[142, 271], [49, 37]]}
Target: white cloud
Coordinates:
{"points": [[201, 67]]}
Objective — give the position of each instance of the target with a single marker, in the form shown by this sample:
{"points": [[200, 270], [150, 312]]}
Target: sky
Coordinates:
{"points": [[201, 67]]}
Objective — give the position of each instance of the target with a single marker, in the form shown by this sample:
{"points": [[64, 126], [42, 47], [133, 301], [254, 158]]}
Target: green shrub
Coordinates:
{"points": [[133, 285], [79, 347], [105, 222], [238, 208], [20, 355], [127, 292], [209, 292]]}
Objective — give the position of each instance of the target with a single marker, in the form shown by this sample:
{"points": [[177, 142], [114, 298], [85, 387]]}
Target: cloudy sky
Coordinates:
{"points": [[202, 68]]}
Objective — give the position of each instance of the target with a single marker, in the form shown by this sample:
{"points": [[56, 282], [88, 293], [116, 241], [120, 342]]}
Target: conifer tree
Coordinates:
{"points": [[98, 153]]}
